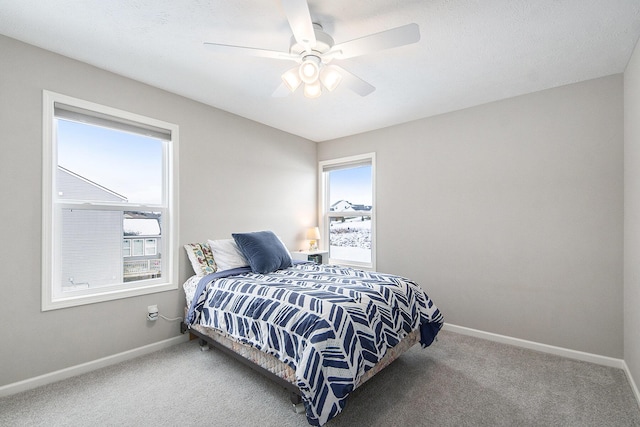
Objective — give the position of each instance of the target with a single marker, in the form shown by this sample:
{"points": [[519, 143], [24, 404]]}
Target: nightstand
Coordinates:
{"points": [[321, 257]]}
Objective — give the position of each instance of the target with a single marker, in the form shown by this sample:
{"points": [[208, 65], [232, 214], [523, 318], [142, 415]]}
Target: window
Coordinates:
{"points": [[347, 207], [150, 247], [126, 247], [138, 247], [109, 180]]}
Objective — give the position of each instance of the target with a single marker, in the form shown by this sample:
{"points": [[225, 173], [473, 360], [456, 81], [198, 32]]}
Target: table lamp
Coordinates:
{"points": [[313, 235]]}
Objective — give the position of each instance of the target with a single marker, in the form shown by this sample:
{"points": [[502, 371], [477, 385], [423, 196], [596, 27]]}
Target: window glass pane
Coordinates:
{"points": [[90, 250], [139, 223], [148, 263], [350, 238], [350, 189], [101, 164]]}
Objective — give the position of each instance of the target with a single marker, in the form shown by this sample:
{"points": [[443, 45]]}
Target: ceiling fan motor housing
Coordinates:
{"points": [[324, 43]]}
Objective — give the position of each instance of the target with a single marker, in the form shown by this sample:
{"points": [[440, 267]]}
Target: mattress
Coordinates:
{"points": [[286, 372]]}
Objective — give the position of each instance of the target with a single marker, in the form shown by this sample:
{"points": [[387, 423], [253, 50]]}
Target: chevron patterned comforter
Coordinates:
{"points": [[330, 324]]}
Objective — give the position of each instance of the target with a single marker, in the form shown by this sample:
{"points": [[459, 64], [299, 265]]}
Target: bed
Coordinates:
{"points": [[318, 330]]}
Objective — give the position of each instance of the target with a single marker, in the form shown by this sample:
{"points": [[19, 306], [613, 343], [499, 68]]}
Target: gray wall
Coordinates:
{"points": [[235, 175], [632, 215], [510, 214]]}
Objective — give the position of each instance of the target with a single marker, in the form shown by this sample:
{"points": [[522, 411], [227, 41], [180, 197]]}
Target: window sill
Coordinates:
{"points": [[111, 295]]}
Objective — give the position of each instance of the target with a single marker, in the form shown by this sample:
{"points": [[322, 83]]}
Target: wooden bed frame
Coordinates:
{"points": [[211, 337]]}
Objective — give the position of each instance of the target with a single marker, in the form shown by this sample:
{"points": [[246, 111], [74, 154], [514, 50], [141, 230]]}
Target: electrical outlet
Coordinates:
{"points": [[152, 313]]}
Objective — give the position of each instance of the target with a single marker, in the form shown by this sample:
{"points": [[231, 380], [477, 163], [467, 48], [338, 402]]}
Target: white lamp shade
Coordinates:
{"points": [[309, 70], [313, 233], [330, 77], [291, 79], [312, 90]]}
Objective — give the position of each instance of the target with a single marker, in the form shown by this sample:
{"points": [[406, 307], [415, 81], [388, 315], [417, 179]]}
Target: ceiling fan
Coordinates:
{"points": [[314, 50]]}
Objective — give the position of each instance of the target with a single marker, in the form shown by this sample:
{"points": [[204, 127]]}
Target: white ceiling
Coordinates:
{"points": [[471, 51]]}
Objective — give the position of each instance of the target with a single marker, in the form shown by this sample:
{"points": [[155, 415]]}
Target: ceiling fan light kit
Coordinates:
{"points": [[314, 75], [310, 69], [313, 49]]}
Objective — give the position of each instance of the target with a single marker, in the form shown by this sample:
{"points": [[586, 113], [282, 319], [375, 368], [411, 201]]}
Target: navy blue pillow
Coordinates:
{"points": [[263, 250]]}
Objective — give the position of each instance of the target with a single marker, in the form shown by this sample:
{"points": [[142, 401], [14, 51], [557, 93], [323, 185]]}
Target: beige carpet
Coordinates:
{"points": [[458, 381]]}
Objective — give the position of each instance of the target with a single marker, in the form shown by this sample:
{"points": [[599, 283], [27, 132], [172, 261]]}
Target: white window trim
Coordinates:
{"points": [[323, 205], [170, 279]]}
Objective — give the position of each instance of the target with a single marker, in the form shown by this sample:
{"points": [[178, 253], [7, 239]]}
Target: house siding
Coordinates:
{"points": [[91, 250]]}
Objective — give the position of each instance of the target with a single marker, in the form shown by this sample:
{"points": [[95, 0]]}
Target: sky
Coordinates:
{"points": [[129, 164], [352, 185]]}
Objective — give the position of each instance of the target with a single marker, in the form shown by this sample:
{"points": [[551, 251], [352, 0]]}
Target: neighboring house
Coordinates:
{"points": [[91, 249], [345, 206], [141, 245], [361, 207], [95, 242]]}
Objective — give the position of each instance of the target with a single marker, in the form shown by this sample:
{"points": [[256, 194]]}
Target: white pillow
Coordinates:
{"points": [[227, 255]]}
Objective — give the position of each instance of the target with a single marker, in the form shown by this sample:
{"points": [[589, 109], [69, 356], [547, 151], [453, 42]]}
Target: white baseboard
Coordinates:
{"points": [[83, 368], [632, 383], [544, 348], [72, 371]]}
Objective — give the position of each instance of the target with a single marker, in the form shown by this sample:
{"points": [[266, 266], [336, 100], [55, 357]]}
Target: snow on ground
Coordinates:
{"points": [[351, 240]]}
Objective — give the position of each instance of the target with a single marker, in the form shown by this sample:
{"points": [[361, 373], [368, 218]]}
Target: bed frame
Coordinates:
{"points": [[276, 370], [208, 337]]}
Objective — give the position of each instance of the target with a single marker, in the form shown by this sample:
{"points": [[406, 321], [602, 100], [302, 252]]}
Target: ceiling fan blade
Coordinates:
{"points": [[264, 53], [394, 37], [354, 82], [299, 17], [281, 91]]}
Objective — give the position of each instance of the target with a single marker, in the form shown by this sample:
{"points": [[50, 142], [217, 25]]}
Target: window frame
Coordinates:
{"points": [[51, 300], [324, 205]]}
